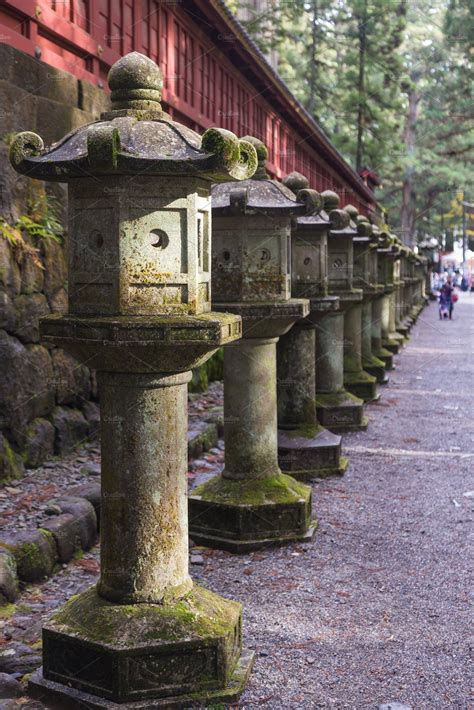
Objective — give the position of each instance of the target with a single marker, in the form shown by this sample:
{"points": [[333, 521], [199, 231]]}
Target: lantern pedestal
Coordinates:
{"points": [[252, 504], [370, 362], [305, 449], [380, 320], [356, 380], [139, 313], [146, 637], [336, 409], [395, 340]]}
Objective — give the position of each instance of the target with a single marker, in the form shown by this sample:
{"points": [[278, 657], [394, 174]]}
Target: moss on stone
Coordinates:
{"points": [[353, 378], [335, 399], [198, 615], [276, 489], [307, 432]]}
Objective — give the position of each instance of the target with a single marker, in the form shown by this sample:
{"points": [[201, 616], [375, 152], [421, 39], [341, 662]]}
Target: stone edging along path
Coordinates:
{"points": [[31, 556]]}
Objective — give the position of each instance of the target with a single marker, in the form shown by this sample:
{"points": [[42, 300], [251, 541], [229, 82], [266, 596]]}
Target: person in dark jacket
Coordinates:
{"points": [[446, 298]]}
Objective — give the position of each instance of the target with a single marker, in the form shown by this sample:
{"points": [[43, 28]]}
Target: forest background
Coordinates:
{"points": [[390, 82]]}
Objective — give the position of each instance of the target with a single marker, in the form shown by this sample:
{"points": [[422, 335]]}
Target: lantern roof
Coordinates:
{"points": [[257, 195], [135, 137]]}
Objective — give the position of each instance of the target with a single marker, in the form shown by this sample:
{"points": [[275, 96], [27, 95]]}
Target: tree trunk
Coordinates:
{"points": [[408, 208], [362, 33], [313, 76]]}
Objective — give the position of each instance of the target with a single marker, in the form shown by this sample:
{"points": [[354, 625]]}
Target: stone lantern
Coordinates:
{"points": [[365, 277], [139, 312], [305, 448], [400, 331], [336, 408], [395, 340], [381, 304], [356, 380], [252, 504]]}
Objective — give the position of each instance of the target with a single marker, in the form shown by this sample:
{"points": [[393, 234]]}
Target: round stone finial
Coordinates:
{"points": [[330, 199], [295, 181], [262, 156], [135, 82]]}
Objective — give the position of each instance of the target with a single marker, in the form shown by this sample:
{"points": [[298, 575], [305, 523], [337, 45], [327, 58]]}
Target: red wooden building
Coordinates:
{"points": [[213, 73]]}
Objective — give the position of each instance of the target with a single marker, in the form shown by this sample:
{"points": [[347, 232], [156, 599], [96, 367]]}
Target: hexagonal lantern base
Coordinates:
{"points": [[376, 368], [362, 385], [305, 457], [385, 355], [341, 411], [180, 654], [243, 515]]}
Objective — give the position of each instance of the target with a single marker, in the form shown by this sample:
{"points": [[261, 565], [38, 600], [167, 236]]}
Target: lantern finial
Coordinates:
{"points": [[136, 83]]}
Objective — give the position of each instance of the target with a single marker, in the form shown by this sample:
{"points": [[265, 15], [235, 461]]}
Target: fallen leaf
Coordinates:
{"points": [[91, 566]]}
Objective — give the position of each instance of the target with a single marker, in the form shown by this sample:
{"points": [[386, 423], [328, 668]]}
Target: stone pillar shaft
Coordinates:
{"points": [[144, 503], [353, 338], [296, 377], [376, 329], [250, 409], [329, 353], [366, 334]]}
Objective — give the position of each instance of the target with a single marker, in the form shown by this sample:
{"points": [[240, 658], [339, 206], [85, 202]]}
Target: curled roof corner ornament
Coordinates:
{"points": [[339, 219], [237, 157], [311, 199], [25, 145], [262, 157]]}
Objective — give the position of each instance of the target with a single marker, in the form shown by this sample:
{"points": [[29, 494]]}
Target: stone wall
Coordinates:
{"points": [[46, 399]]}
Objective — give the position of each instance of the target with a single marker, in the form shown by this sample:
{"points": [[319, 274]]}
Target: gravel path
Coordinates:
{"points": [[376, 609]]}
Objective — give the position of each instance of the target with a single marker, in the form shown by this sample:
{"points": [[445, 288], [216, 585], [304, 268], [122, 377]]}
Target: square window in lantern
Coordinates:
{"points": [[338, 266], [93, 248], [307, 262], [263, 253], [154, 246]]}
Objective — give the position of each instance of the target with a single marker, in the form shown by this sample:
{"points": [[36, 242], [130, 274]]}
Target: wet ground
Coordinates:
{"points": [[378, 608]]}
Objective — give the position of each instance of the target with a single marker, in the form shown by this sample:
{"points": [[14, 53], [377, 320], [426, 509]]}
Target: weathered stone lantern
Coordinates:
{"points": [[139, 312], [356, 380], [395, 339], [381, 304], [403, 292], [336, 408], [365, 277], [252, 504], [399, 331], [305, 448]]}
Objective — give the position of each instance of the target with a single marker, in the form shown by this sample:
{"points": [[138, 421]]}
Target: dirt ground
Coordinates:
{"points": [[377, 609]]}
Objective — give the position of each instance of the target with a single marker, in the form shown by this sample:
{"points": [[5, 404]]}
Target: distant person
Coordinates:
{"points": [[446, 300]]}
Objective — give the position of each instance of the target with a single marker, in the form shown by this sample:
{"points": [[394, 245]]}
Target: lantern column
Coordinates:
{"points": [[139, 313], [305, 448], [337, 409], [252, 503]]}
